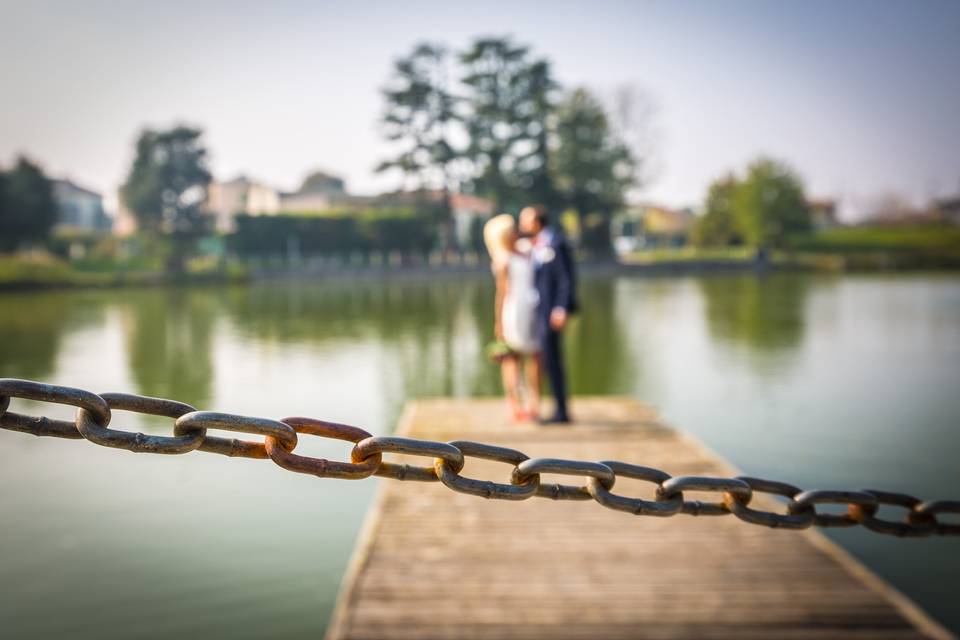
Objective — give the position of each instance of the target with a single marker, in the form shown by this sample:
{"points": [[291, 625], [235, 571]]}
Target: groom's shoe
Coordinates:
{"points": [[555, 420]]}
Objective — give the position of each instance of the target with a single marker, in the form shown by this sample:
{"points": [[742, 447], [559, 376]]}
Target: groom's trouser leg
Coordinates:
{"points": [[553, 361]]}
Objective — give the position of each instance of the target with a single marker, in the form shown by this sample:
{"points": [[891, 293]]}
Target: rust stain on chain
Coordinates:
{"points": [[448, 459]]}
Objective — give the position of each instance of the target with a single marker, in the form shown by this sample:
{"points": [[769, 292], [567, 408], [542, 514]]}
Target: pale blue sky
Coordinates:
{"points": [[861, 97]]}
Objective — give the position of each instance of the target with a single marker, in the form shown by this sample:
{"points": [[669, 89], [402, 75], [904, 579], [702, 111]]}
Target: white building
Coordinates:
{"points": [[78, 209], [241, 195], [320, 191], [300, 202]]}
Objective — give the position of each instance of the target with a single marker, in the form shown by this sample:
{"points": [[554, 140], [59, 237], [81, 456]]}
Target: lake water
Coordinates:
{"points": [[822, 381]]}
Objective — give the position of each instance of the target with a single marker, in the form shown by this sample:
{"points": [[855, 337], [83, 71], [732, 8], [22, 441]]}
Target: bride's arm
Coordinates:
{"points": [[500, 273]]}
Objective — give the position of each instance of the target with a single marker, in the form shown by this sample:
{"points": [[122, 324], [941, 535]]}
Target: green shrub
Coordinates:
{"points": [[334, 232], [917, 239]]}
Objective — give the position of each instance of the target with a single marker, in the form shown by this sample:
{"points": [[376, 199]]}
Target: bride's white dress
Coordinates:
{"points": [[520, 306]]}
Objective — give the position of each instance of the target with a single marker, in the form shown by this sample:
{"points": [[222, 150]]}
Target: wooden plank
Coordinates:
{"points": [[432, 563]]}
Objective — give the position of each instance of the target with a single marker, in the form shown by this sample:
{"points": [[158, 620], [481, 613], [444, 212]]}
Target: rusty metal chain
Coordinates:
{"points": [[280, 438]]}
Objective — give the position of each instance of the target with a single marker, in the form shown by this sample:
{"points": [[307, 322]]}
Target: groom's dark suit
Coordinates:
{"points": [[555, 279]]}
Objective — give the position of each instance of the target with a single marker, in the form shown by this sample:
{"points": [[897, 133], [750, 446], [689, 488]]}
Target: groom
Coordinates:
{"points": [[555, 281]]}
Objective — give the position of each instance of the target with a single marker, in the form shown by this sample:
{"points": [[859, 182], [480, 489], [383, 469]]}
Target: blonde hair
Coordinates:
{"points": [[498, 236]]}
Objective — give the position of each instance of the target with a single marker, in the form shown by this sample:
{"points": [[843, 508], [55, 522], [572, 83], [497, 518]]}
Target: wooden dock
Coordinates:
{"points": [[433, 563]]}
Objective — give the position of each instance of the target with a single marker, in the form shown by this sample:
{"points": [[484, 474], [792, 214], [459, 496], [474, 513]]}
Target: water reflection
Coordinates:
{"points": [[33, 328], [701, 350], [344, 311], [169, 336], [598, 353], [430, 336], [765, 314]]}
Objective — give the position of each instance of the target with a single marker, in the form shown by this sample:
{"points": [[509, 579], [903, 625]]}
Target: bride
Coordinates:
{"points": [[514, 314]]}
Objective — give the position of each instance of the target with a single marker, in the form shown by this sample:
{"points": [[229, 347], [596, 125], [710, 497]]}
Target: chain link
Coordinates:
{"points": [[94, 413], [320, 467], [90, 427], [799, 518], [516, 490]]}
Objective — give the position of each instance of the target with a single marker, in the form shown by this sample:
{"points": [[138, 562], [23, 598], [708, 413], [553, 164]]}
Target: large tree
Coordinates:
{"points": [[770, 204], [167, 186], [419, 116], [509, 103], [28, 210], [718, 226], [592, 166], [532, 170]]}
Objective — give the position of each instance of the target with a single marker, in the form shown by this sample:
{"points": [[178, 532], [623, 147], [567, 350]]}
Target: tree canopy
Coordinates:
{"points": [[418, 115], [418, 118], [168, 180], [167, 186], [503, 130], [593, 168], [28, 210], [761, 210], [770, 205], [718, 227], [509, 101]]}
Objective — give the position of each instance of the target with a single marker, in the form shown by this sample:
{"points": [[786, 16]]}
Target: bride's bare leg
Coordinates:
{"points": [[532, 375], [510, 372]]}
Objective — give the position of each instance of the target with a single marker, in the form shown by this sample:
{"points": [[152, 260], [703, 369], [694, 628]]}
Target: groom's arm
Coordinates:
{"points": [[566, 278], [566, 281]]}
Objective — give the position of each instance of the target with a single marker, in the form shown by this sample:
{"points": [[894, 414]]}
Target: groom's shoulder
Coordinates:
{"points": [[557, 236], [559, 239]]}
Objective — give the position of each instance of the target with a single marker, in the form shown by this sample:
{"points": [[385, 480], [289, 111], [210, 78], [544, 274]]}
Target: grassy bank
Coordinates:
{"points": [[841, 249], [45, 272], [690, 255], [884, 248]]}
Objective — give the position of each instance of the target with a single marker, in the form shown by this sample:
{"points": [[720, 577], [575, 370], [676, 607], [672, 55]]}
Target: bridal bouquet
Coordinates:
{"points": [[498, 350]]}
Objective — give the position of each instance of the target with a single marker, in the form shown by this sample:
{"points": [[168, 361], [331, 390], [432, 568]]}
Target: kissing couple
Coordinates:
{"points": [[534, 271]]}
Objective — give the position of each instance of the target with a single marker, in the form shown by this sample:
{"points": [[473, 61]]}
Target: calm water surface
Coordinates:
{"points": [[822, 381]]}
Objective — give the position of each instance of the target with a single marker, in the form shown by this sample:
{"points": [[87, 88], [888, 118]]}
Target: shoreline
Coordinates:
{"points": [[808, 262]]}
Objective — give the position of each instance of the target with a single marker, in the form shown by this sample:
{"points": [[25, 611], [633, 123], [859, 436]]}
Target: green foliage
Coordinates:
{"points": [[27, 208], [395, 230], [510, 101], [419, 113], [370, 230], [769, 205], [883, 247], [761, 211], [593, 168], [930, 239], [167, 186], [16, 269], [718, 226], [266, 235], [511, 118]]}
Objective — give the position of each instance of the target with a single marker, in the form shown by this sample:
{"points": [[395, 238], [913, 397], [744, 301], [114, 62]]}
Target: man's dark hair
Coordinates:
{"points": [[541, 214]]}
